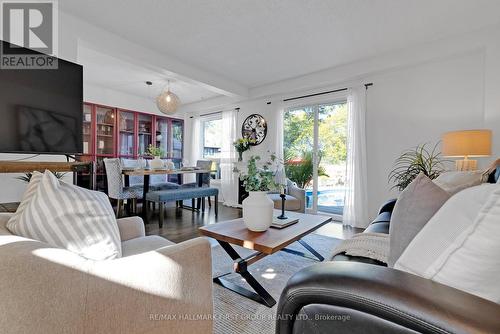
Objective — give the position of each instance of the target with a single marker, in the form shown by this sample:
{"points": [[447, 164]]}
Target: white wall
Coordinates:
{"points": [[417, 95], [118, 99], [416, 105]]}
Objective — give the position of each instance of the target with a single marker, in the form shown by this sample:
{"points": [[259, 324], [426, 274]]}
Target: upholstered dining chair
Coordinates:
{"points": [[205, 182], [116, 190]]}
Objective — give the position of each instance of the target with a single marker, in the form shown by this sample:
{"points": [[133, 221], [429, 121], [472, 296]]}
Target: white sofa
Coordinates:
{"points": [[156, 287]]}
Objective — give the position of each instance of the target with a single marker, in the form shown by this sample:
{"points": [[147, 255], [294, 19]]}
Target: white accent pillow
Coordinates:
{"points": [[460, 245], [67, 216], [455, 181], [27, 196]]}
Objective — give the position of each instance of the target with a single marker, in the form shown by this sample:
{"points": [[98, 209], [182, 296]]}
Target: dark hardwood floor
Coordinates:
{"points": [[181, 224]]}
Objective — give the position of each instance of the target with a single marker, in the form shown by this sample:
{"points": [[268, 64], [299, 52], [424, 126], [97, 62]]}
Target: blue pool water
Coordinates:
{"points": [[329, 200]]}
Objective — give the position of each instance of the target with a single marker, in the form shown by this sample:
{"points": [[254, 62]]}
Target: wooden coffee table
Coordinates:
{"points": [[264, 243]]}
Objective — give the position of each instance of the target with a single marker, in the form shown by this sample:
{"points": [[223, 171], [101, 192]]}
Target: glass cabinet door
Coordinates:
{"points": [[126, 133], [105, 128], [87, 129], [145, 123], [177, 137], [161, 138]]}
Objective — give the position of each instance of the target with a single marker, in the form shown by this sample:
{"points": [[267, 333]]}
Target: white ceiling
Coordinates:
{"points": [[263, 41], [107, 71]]}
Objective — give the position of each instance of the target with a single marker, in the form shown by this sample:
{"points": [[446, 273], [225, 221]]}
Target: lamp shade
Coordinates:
{"points": [[467, 143], [167, 102]]}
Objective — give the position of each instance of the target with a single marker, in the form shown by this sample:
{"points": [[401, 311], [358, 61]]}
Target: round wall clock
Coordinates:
{"points": [[254, 127]]}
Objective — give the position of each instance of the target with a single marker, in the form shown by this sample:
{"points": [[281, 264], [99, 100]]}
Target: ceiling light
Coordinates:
{"points": [[167, 102]]}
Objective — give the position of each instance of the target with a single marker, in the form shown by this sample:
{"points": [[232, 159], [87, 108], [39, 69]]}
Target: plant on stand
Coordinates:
{"points": [[156, 152], [258, 180], [241, 145], [415, 161]]}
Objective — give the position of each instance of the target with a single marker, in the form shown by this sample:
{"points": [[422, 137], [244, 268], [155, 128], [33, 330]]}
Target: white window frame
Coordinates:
{"points": [[203, 119], [315, 102]]}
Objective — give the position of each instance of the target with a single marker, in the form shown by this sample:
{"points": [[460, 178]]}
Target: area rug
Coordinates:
{"points": [[236, 314]]}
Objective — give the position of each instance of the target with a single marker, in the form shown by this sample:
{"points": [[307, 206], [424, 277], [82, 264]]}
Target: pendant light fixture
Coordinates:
{"points": [[167, 102]]}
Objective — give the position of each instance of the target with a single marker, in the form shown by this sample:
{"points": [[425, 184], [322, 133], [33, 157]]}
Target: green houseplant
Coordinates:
{"points": [[27, 176], [258, 180], [157, 153], [300, 170], [413, 162], [154, 151]]}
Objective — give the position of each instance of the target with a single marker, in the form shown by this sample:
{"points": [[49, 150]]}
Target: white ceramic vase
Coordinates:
{"points": [[258, 211], [156, 163]]}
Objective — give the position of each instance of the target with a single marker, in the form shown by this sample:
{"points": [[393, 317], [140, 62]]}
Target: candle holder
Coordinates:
{"points": [[283, 199]]}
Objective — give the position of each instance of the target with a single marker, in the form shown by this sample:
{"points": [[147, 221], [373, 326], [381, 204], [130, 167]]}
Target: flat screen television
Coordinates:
{"points": [[41, 110]]}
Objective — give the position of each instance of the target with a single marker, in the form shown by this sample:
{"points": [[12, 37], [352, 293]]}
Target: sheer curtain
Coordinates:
{"points": [[229, 179], [279, 131], [195, 141], [356, 200], [194, 126]]}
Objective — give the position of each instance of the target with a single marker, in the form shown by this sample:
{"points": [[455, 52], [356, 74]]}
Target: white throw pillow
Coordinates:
{"points": [[36, 177], [67, 216], [459, 246], [455, 181]]}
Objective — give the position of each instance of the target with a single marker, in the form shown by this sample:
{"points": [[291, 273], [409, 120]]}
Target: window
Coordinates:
{"points": [[318, 133], [211, 141], [211, 137]]}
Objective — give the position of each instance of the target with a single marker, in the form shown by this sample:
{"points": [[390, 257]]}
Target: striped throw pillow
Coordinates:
{"points": [[28, 195], [67, 216]]}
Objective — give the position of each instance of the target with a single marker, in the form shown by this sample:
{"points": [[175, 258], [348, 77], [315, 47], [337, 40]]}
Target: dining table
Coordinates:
{"points": [[147, 172]]}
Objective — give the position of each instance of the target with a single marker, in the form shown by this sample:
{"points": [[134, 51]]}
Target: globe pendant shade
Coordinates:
{"points": [[167, 102]]}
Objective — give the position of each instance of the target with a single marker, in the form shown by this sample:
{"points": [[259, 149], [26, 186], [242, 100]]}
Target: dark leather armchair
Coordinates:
{"points": [[347, 297], [359, 295]]}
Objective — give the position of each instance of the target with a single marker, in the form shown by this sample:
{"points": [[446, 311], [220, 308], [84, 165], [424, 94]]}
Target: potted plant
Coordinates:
{"points": [[300, 170], [156, 152], [413, 162], [241, 145], [27, 176], [258, 180]]}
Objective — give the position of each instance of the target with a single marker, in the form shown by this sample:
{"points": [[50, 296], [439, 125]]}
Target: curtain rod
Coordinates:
{"points": [[323, 93], [214, 113]]}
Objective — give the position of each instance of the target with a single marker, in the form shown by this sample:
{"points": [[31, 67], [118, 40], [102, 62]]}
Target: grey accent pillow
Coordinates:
{"points": [[420, 200]]}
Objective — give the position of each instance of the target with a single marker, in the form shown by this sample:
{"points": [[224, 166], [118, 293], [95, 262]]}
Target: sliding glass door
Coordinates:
{"points": [[315, 153]]}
